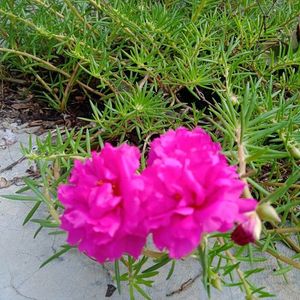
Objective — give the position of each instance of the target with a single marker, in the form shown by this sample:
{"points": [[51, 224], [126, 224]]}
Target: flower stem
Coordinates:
{"points": [[53, 212], [284, 230], [239, 272], [283, 258], [242, 161], [153, 254]]}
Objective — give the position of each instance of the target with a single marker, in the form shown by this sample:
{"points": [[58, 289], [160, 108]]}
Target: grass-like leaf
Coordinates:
{"points": [[59, 253]]}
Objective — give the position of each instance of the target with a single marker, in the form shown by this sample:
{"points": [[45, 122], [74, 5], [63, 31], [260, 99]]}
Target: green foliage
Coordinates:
{"points": [[137, 114], [231, 67], [103, 48]]}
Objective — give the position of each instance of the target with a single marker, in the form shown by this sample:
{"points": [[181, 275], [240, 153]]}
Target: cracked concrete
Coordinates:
{"points": [[74, 276]]}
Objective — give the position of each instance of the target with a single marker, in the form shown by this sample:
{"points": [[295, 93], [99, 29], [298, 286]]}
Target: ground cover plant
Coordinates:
{"points": [[136, 69]]}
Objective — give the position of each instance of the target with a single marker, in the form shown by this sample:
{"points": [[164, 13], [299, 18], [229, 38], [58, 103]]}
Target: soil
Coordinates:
{"points": [[18, 103]]}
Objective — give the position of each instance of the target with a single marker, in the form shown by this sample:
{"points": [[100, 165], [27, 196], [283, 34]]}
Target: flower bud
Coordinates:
{"points": [[267, 213], [247, 232], [216, 281], [234, 99], [250, 297]]}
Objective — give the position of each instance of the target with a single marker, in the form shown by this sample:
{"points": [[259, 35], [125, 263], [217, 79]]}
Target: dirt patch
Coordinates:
{"points": [[19, 104]]}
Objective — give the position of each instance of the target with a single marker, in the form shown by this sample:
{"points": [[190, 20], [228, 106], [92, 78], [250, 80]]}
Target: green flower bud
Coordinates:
{"points": [[268, 213]]}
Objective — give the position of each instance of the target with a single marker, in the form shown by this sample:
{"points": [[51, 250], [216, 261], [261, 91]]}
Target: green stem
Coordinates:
{"points": [[49, 66], [80, 18], [239, 272], [284, 230], [283, 258], [242, 160]]}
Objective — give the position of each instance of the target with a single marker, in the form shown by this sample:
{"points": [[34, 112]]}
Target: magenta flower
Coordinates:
{"points": [[193, 191], [181, 144], [248, 231], [103, 214]]}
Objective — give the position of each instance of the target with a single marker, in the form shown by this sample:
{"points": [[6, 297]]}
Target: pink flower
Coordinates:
{"points": [[195, 145], [192, 190], [248, 231], [103, 213]]}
